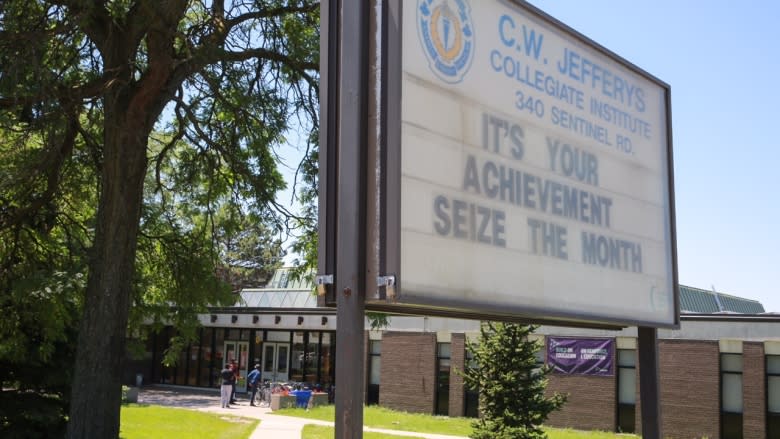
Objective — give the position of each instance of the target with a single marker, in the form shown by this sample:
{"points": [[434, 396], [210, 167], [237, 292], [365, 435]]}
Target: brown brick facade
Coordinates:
{"points": [[690, 388], [408, 371], [590, 404], [753, 393], [457, 363]]}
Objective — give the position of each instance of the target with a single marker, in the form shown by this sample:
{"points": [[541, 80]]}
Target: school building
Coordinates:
{"points": [[719, 373]]}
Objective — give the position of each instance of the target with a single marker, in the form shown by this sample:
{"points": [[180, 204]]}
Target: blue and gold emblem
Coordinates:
{"points": [[447, 37]]}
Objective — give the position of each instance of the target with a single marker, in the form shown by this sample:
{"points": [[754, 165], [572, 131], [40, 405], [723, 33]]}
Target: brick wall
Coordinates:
{"points": [[591, 404], [408, 371], [753, 393], [457, 363], [690, 388]]}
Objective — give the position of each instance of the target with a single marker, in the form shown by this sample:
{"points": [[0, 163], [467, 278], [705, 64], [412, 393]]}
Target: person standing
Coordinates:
{"points": [[226, 376], [236, 376], [253, 378]]}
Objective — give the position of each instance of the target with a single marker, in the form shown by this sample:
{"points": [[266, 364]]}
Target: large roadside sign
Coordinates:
{"points": [[529, 171]]}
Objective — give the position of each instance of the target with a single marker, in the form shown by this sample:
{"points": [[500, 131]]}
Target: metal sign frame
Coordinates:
{"points": [[386, 266], [359, 211]]}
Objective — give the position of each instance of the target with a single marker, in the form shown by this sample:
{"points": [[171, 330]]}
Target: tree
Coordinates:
{"points": [[251, 248], [42, 280], [512, 401], [90, 82]]}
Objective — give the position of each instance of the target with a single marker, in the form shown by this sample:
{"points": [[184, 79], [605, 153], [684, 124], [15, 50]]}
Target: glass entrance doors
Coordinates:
{"points": [[275, 361], [238, 351]]}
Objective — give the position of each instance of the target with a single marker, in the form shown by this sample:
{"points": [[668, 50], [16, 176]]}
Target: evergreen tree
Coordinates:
{"points": [[512, 401]]}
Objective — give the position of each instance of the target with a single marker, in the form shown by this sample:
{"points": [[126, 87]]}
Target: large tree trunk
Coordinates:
{"points": [[96, 392], [131, 103]]}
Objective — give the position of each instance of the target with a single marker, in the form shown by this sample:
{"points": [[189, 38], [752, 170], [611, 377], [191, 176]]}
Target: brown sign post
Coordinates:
{"points": [[342, 199]]}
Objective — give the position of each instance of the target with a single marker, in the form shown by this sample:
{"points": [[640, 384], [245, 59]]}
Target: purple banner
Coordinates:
{"points": [[581, 356]]}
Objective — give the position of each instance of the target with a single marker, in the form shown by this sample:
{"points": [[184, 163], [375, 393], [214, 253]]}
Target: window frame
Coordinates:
{"points": [[728, 416], [772, 418], [440, 358], [372, 390], [621, 406]]}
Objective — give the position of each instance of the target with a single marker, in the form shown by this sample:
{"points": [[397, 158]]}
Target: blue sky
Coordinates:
{"points": [[722, 60]]}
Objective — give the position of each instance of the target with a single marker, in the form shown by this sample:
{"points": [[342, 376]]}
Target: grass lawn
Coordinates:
{"points": [[378, 417], [155, 422], [320, 432]]}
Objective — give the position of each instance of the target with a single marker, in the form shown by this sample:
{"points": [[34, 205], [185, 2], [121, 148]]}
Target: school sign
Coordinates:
{"points": [[521, 172], [535, 170]]}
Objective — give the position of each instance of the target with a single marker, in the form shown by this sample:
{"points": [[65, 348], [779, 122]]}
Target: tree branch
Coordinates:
{"points": [[93, 18], [273, 12], [64, 94]]}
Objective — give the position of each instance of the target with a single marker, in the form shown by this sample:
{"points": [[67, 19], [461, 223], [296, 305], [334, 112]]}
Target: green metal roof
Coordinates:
{"points": [[277, 299], [696, 300], [738, 304], [283, 280], [282, 291]]}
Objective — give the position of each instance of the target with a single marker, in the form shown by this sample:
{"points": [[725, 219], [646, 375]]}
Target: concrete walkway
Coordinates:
{"points": [[271, 425]]}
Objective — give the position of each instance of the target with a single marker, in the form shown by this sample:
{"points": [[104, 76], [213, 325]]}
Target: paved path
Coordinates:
{"points": [[271, 425]]}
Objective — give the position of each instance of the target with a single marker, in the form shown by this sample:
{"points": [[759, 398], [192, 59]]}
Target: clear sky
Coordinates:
{"points": [[722, 60]]}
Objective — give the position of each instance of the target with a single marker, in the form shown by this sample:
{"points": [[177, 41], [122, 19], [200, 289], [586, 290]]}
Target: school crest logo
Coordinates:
{"points": [[447, 37]]}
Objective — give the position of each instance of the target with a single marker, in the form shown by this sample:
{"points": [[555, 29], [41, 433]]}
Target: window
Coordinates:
{"points": [[773, 395], [181, 368], [208, 363], [443, 351], [218, 359], [311, 366], [731, 396], [471, 396], [374, 370], [327, 354], [192, 365], [626, 388], [298, 357], [283, 279]]}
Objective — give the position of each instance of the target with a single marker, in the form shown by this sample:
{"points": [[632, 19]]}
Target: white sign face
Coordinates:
{"points": [[535, 170]]}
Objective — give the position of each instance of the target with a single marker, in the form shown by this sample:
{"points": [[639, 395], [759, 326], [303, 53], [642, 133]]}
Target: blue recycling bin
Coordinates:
{"points": [[301, 398]]}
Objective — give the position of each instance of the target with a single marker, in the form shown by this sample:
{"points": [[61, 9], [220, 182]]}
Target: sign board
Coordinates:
{"points": [[581, 356], [530, 171]]}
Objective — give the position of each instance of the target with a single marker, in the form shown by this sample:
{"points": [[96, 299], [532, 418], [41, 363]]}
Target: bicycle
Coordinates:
{"points": [[264, 394]]}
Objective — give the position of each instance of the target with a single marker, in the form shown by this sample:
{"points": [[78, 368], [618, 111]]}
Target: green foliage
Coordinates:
{"points": [[512, 401], [306, 225], [37, 334], [32, 415], [251, 248], [142, 137], [377, 320], [44, 236]]}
